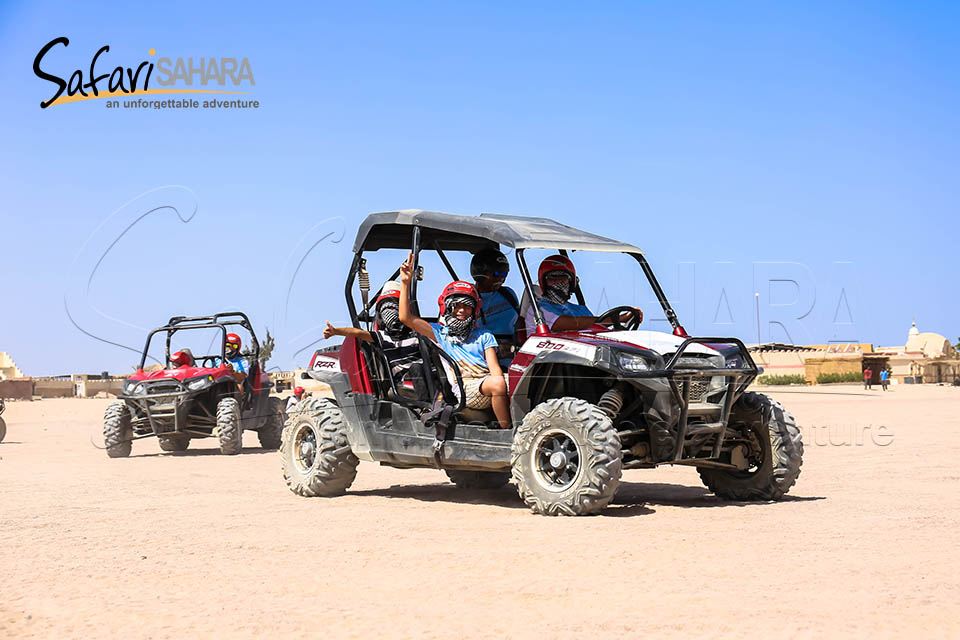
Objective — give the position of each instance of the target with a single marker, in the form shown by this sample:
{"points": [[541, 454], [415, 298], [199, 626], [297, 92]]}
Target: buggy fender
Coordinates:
{"points": [[519, 401], [357, 409]]}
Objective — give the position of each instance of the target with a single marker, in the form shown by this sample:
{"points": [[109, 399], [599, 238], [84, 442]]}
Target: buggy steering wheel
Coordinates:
{"points": [[212, 360], [636, 317]]}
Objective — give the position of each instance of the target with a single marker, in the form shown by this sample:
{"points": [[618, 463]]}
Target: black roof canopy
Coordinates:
{"points": [[393, 229]]}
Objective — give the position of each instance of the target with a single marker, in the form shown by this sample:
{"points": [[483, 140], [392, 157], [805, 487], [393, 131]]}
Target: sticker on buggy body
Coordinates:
{"points": [[325, 363], [538, 344]]}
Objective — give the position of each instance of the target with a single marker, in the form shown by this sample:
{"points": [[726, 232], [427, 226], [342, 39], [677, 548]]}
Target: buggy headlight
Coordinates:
{"points": [[128, 386], [199, 383], [633, 363], [137, 390]]}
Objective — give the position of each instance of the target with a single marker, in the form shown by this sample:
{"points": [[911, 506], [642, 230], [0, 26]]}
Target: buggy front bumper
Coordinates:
{"points": [[706, 392], [167, 413]]}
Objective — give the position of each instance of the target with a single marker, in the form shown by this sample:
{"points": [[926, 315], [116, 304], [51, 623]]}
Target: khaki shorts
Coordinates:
{"points": [[475, 399]]}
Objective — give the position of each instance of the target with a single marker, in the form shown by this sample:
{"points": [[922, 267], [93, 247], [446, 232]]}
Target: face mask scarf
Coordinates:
{"points": [[457, 329], [389, 319], [557, 292]]}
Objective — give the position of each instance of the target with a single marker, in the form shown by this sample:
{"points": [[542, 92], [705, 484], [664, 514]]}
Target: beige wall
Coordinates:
{"points": [[113, 387], [835, 364], [780, 363], [21, 389], [54, 388]]}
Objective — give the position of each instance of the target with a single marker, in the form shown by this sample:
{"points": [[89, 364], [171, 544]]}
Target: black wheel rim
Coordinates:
{"points": [[556, 460], [305, 447]]}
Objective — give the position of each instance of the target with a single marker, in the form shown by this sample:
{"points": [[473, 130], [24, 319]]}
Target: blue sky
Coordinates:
{"points": [[745, 146]]}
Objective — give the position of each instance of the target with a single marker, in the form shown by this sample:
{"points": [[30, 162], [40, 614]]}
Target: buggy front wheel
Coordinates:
{"points": [[316, 455], [566, 458], [229, 430], [772, 452], [117, 430]]}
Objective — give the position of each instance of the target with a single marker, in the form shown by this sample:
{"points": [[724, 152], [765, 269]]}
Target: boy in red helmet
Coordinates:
{"points": [[473, 348], [295, 399], [558, 278], [397, 341], [236, 362]]}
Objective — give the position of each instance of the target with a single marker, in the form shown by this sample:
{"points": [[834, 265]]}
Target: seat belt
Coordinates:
{"points": [[440, 417]]}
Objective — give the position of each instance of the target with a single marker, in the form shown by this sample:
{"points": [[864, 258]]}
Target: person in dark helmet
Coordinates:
{"points": [[472, 347], [501, 307], [398, 342], [557, 277]]}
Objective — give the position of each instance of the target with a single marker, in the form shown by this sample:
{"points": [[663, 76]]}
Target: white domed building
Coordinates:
{"points": [[927, 357]]}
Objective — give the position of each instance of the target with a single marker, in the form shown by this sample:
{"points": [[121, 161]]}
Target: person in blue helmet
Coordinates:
{"points": [[501, 307]]}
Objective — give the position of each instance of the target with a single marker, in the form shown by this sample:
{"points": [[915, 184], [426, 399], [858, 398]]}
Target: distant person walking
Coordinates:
{"points": [[884, 376], [867, 378]]}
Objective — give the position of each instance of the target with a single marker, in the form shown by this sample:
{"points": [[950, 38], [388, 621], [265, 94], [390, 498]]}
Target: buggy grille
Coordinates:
{"points": [[699, 385], [163, 387]]}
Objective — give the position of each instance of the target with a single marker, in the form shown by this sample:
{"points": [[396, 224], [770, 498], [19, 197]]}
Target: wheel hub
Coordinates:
{"points": [[306, 451], [305, 447], [556, 460]]}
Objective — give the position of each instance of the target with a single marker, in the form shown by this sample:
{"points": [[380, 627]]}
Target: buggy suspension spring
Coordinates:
{"points": [[611, 402]]}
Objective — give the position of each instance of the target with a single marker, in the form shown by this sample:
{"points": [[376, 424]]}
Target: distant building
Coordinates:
{"points": [[927, 357], [8, 368]]}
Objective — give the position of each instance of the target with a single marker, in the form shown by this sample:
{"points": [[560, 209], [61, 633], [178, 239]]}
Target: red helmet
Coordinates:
{"points": [[556, 263], [181, 359], [233, 342], [298, 391], [391, 289], [459, 288]]}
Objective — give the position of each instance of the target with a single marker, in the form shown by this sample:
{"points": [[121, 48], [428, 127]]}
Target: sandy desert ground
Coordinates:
{"points": [[197, 544]]}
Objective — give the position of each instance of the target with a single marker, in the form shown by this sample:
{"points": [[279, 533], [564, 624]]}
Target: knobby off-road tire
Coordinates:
{"points": [[3, 429], [229, 431], [174, 443], [776, 470], [479, 479], [271, 433], [566, 458], [315, 452], [117, 432]]}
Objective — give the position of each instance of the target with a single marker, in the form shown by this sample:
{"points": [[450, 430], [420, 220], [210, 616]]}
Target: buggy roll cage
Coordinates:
{"points": [[218, 320], [418, 245]]}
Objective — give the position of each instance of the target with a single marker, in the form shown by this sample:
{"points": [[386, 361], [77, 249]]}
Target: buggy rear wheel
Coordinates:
{"points": [[174, 443], [271, 433], [3, 429], [315, 452], [773, 452], [478, 479], [566, 458], [229, 431], [117, 431]]}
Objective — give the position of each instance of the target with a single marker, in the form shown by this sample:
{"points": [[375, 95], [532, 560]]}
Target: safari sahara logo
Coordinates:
{"points": [[166, 75]]}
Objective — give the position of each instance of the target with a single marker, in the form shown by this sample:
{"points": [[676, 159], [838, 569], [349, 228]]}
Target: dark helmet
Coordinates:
{"points": [[489, 261]]}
